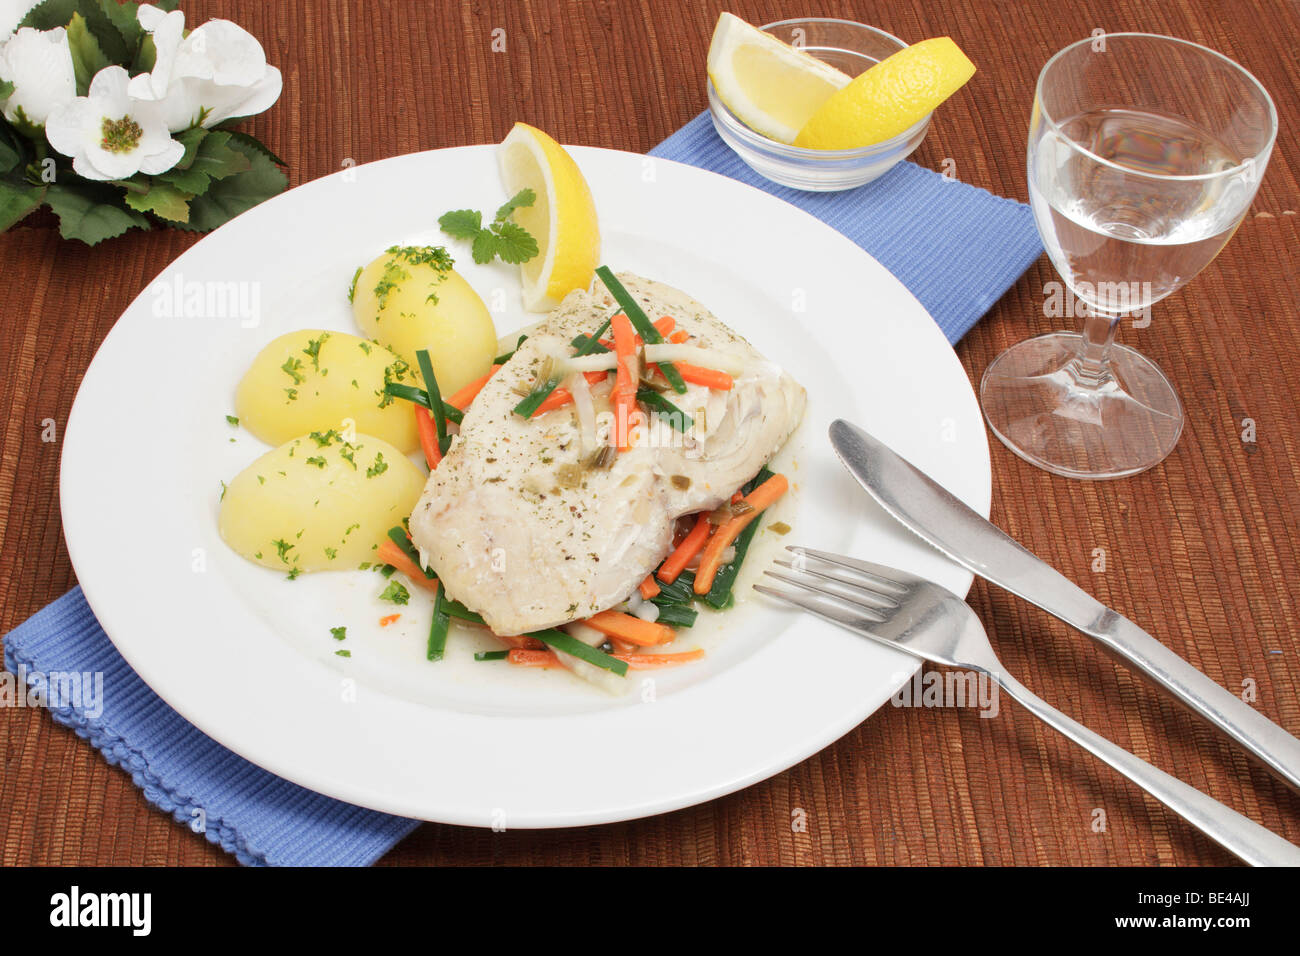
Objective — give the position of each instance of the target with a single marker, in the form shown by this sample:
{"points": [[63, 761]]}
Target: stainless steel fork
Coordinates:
{"points": [[930, 622]]}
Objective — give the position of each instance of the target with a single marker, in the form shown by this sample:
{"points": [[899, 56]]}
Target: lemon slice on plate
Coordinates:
{"points": [[890, 98], [562, 218], [771, 86]]}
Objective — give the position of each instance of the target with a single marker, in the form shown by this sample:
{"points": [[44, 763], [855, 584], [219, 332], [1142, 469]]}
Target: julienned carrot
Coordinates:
{"points": [[520, 641], [388, 619], [466, 395], [631, 629], [390, 553], [760, 498], [708, 377], [665, 325], [547, 658], [595, 378], [678, 337], [533, 658], [649, 587], [621, 646], [557, 399], [640, 662], [625, 379], [676, 562], [428, 430]]}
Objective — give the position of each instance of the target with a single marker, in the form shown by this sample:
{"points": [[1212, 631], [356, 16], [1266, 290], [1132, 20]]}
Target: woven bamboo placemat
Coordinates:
{"points": [[1203, 551]]}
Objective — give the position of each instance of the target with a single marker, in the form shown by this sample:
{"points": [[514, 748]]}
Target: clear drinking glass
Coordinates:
{"points": [[1144, 154]]}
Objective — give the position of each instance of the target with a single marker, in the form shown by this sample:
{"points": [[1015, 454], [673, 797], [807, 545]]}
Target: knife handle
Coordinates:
{"points": [[1248, 727]]}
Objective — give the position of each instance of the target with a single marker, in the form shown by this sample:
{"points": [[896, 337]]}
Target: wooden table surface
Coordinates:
{"points": [[1203, 550]]}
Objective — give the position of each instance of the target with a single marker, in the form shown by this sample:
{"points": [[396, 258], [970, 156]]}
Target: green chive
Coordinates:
{"points": [[420, 397], [502, 359], [571, 645], [491, 655], [720, 595], [649, 334], [676, 615], [397, 535], [438, 628], [435, 398], [538, 395], [461, 612], [664, 409]]}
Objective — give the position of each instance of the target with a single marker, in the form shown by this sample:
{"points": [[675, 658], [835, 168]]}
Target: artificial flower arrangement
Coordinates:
{"points": [[116, 117]]}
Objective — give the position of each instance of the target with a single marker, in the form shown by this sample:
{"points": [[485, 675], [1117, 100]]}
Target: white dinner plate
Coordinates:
{"points": [[247, 656]]}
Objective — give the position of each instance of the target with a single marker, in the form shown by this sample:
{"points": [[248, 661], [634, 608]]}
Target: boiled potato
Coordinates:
{"points": [[314, 380], [318, 503], [410, 298]]}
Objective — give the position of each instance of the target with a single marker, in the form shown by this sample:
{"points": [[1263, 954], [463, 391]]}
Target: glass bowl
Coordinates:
{"points": [[852, 48]]}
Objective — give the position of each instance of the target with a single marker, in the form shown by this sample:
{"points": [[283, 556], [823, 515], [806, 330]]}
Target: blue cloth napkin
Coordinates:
{"points": [[958, 248], [261, 818]]}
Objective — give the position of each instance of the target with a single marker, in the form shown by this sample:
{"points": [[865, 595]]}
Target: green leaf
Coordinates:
{"points": [[461, 223], [145, 58], [227, 198], [252, 141], [6, 90], [514, 244], [87, 56], [59, 13], [91, 213], [16, 201], [525, 197], [163, 200], [208, 156], [485, 246], [11, 152], [125, 20]]}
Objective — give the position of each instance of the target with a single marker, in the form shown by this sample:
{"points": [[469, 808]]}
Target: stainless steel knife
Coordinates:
{"points": [[945, 522]]}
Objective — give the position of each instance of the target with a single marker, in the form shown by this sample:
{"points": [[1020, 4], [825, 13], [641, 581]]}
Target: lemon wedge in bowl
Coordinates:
{"points": [[771, 86], [890, 98], [562, 218]]}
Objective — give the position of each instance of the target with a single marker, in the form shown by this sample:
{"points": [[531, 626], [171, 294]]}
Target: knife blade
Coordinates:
{"points": [[948, 524]]}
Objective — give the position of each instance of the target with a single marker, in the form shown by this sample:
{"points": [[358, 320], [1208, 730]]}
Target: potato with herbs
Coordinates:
{"points": [[314, 380], [411, 298], [318, 502]]}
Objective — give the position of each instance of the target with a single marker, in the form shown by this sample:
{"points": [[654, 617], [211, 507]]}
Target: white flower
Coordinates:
{"points": [[39, 64], [111, 135], [217, 72], [12, 13]]}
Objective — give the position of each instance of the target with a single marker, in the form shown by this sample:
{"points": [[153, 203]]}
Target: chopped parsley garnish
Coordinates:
{"points": [[331, 553], [339, 633], [396, 592], [292, 393], [324, 439], [282, 548], [352, 287], [365, 347], [348, 453], [502, 237], [291, 367], [379, 467], [232, 421], [318, 461], [341, 653], [293, 573], [312, 351], [223, 492]]}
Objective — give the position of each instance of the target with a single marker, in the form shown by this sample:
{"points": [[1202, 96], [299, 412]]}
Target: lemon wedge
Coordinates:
{"points": [[562, 218], [891, 97], [771, 86]]}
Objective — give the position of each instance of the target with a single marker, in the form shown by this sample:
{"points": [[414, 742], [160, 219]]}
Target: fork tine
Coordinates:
{"points": [[824, 608], [880, 573], [864, 592], [874, 613]]}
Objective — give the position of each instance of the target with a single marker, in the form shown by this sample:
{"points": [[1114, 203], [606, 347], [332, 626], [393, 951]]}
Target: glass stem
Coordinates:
{"points": [[1091, 367]]}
